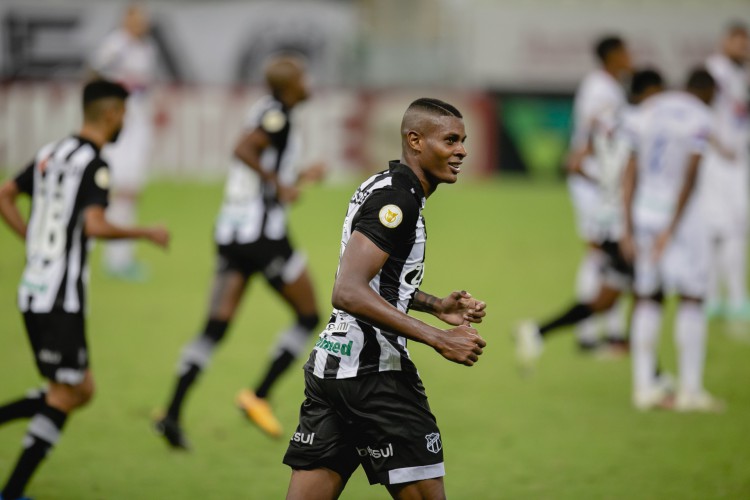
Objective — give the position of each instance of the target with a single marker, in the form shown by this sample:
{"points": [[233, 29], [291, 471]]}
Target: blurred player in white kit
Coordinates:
{"points": [[128, 56], [600, 94], [666, 236], [727, 177]]}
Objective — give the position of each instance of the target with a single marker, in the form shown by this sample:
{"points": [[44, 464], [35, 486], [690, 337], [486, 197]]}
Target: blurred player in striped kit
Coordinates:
{"points": [[727, 177], [601, 94], [252, 238], [128, 56]]}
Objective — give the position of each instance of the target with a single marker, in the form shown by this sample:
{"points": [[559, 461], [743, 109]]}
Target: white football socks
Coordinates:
{"points": [[588, 282], [690, 338], [644, 341], [616, 321]]}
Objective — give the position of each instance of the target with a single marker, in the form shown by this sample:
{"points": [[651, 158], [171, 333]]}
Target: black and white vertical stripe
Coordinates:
{"points": [[56, 247], [373, 350]]}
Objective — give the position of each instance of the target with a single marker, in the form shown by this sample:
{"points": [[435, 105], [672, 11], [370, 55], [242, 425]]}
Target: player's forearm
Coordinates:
{"points": [[363, 303], [9, 210], [250, 156], [686, 192], [105, 230], [629, 182], [424, 302]]}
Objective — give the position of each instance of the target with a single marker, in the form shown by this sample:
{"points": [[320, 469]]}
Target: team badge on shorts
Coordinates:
{"points": [[390, 216], [434, 444]]}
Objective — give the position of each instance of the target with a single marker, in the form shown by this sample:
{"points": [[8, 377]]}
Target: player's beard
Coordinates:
{"points": [[115, 135]]}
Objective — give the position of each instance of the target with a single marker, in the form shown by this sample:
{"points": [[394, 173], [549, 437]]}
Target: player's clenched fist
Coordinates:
{"points": [[159, 235], [461, 345]]}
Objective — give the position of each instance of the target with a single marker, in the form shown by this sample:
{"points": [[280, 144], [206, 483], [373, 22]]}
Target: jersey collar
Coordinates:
{"points": [[396, 166]]}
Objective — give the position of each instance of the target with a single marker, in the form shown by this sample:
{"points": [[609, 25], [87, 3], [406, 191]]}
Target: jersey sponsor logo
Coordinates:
{"points": [[273, 121], [345, 349], [101, 177], [337, 328], [377, 452], [414, 276], [434, 444], [303, 438], [51, 357], [391, 216]]}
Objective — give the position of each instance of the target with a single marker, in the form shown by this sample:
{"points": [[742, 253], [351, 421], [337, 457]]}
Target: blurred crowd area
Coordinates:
{"points": [[512, 66]]}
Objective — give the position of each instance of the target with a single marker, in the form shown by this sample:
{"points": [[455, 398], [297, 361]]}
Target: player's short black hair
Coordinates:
{"points": [[606, 45], [736, 27], [643, 79], [700, 79], [435, 106], [102, 89]]}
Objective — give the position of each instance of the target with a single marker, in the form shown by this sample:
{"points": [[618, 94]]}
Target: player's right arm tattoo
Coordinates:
{"points": [[425, 302]]}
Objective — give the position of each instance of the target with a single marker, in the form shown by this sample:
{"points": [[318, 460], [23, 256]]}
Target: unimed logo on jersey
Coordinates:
{"points": [[434, 444], [345, 349]]}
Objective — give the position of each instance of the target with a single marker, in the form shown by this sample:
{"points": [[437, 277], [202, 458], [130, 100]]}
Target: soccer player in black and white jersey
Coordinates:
{"points": [[252, 237], [69, 184], [365, 403]]}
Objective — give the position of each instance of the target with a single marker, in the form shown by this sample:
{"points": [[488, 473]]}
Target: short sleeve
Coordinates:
{"points": [[95, 185], [388, 218], [25, 179], [700, 138]]}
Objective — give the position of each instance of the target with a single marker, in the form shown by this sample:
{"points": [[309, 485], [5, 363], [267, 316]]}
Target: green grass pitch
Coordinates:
{"points": [[568, 432]]}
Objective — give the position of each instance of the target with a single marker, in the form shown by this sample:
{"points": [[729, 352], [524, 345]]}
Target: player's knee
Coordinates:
{"points": [[308, 321], [85, 393], [215, 330]]}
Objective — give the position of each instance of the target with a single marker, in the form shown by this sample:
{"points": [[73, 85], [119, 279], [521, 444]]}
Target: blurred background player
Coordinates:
{"points": [[128, 56], [252, 237], [667, 239], [601, 94], [611, 149], [69, 184], [727, 165]]}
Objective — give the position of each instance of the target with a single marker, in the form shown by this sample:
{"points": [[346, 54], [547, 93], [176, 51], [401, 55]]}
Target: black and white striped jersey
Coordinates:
{"points": [[64, 178], [250, 209], [387, 209]]}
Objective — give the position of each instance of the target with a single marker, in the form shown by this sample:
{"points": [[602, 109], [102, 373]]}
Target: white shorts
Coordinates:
{"points": [[128, 158], [586, 202], [683, 267], [726, 196]]}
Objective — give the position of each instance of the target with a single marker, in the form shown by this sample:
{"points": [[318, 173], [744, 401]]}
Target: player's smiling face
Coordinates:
{"points": [[443, 152]]}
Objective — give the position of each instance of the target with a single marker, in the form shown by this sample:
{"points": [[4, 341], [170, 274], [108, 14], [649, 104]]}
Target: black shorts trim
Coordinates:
{"points": [[58, 340]]}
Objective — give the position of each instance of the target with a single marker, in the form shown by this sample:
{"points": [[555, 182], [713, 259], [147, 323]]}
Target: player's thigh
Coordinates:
{"points": [[428, 489], [66, 397], [229, 283], [300, 294], [317, 484], [687, 264], [286, 271], [648, 279]]}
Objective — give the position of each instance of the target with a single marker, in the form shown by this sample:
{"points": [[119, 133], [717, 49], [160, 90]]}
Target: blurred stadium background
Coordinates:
{"points": [[505, 232]]}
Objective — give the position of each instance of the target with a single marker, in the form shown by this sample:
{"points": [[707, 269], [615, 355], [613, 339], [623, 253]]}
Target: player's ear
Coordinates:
{"points": [[414, 139]]}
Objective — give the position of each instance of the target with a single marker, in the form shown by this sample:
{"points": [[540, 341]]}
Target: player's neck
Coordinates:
{"points": [[424, 179], [93, 134]]}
